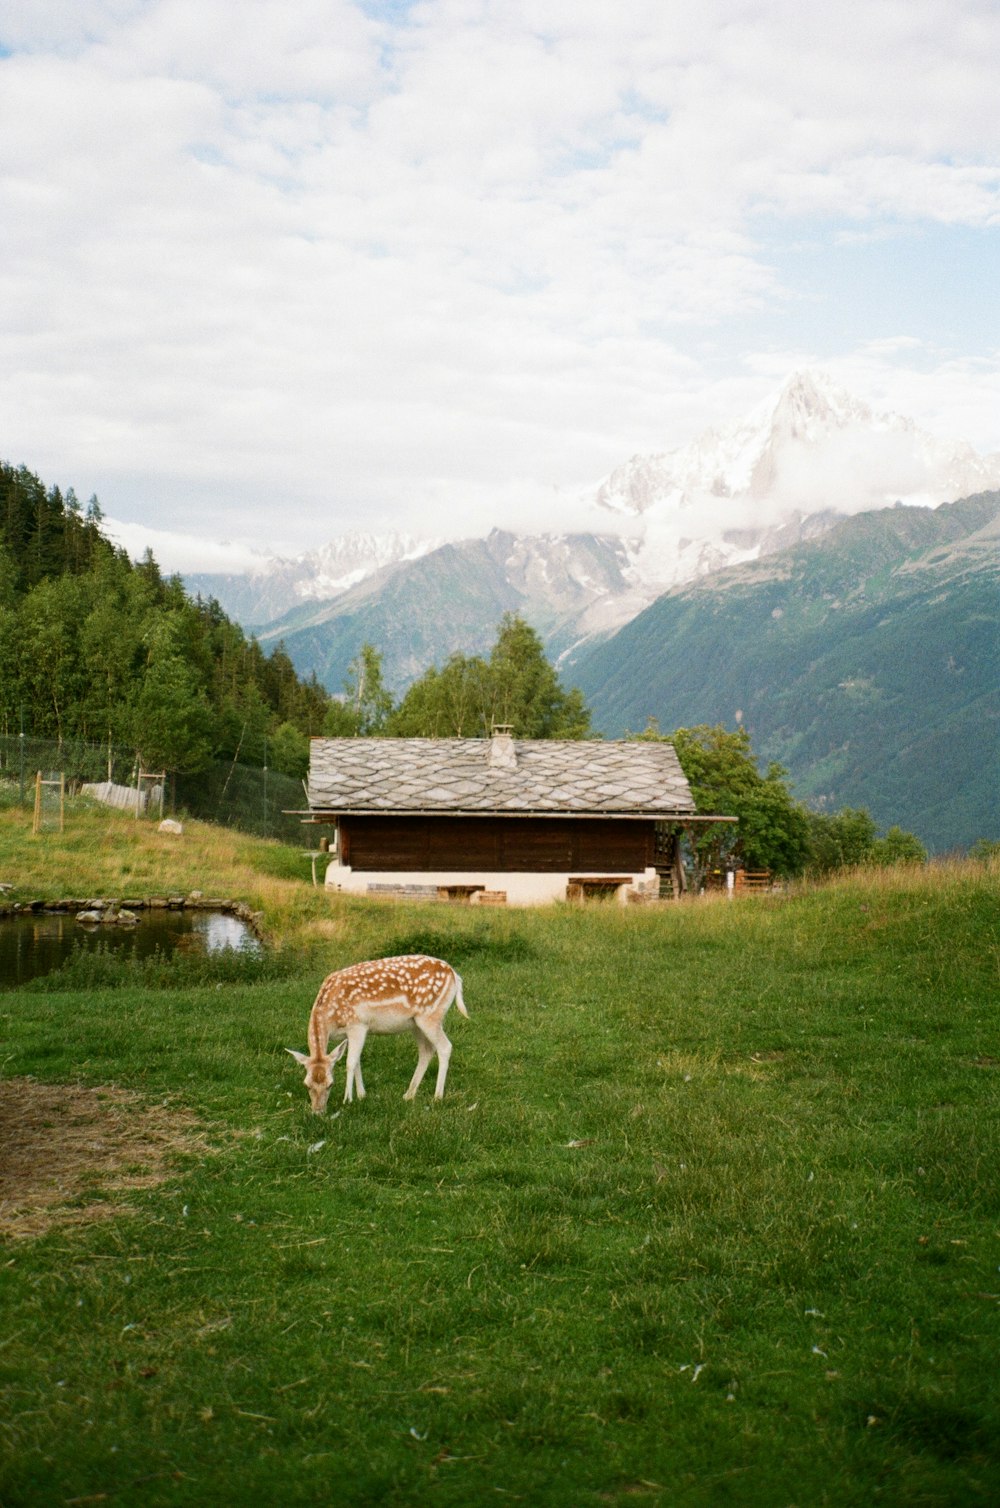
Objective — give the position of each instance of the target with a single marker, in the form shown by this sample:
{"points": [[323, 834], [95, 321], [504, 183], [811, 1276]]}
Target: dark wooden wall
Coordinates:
{"points": [[538, 845]]}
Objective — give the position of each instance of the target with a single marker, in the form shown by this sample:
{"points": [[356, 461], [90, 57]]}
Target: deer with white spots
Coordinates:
{"points": [[384, 995]]}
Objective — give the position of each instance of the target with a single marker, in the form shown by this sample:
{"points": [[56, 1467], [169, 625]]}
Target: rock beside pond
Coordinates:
{"points": [[107, 916]]}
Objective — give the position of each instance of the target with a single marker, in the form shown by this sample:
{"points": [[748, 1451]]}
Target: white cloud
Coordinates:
{"points": [[302, 265], [183, 553]]}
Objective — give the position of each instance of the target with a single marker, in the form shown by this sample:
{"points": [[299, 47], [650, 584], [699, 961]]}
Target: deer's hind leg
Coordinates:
{"points": [[444, 1058], [426, 1047], [434, 1041]]}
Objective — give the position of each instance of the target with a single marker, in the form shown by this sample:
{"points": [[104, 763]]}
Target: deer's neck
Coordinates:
{"points": [[319, 1036]]}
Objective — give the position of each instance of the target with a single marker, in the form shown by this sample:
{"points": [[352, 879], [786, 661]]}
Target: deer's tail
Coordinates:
{"points": [[458, 997]]}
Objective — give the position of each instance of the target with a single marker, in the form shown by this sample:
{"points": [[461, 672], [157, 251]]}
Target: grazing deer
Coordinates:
{"points": [[385, 995]]}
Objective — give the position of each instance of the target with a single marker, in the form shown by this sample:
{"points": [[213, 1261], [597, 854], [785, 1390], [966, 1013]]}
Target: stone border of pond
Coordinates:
{"points": [[111, 906]]}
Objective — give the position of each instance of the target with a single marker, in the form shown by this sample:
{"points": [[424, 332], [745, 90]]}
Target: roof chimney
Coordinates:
{"points": [[502, 755]]}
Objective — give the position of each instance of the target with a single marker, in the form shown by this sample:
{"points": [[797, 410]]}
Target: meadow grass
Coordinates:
{"points": [[709, 1214]]}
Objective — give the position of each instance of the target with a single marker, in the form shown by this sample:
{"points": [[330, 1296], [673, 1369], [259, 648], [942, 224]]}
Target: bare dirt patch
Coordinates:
{"points": [[69, 1152]]}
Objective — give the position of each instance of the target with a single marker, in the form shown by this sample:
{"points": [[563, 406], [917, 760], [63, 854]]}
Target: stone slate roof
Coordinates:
{"points": [[498, 776]]}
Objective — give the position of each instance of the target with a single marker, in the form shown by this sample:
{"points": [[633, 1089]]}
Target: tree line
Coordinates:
{"points": [[98, 648], [517, 686]]}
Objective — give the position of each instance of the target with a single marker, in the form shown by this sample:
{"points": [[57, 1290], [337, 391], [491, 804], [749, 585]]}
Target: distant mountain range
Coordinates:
{"points": [[866, 662], [806, 571], [278, 584], [453, 598], [782, 475]]}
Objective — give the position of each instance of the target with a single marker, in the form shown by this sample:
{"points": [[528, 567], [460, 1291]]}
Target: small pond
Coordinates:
{"points": [[36, 944]]}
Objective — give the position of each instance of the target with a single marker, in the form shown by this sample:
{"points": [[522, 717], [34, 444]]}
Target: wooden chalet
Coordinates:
{"points": [[500, 819]]}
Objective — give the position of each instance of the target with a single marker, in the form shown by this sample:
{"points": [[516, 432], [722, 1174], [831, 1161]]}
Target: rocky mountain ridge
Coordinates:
{"points": [[280, 583], [783, 474]]}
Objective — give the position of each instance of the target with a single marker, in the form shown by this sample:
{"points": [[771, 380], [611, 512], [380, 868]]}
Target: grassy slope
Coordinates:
{"points": [[766, 1274], [102, 853]]}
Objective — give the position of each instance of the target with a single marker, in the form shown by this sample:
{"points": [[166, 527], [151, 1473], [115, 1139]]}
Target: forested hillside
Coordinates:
{"points": [[96, 648], [867, 663]]}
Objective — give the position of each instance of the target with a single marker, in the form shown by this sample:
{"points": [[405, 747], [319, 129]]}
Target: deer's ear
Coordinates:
{"points": [[299, 1057], [335, 1057]]}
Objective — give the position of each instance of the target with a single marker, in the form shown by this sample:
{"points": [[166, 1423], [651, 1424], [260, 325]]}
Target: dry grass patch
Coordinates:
{"points": [[71, 1152]]}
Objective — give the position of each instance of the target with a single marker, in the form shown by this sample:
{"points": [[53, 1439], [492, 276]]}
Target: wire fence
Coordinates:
{"points": [[252, 799], [243, 796]]}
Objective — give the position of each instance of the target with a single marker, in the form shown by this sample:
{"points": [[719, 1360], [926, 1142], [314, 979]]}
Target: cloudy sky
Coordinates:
{"points": [[272, 271]]}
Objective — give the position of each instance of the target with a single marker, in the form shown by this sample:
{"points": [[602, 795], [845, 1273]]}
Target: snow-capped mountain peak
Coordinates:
{"points": [[279, 583], [786, 471], [350, 558], [811, 446], [809, 403]]}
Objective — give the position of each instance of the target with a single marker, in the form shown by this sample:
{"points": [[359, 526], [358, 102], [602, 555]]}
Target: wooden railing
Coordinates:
{"points": [[743, 879]]}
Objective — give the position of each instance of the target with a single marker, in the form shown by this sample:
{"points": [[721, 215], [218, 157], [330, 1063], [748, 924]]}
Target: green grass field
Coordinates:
{"points": [[708, 1215]]}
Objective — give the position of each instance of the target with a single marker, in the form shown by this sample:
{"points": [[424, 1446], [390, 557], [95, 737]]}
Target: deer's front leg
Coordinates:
{"points": [[355, 1042]]}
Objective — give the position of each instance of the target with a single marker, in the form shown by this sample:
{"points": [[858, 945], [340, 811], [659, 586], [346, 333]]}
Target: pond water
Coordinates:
{"points": [[37, 944]]}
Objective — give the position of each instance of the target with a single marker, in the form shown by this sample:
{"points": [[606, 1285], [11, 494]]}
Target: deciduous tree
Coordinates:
{"points": [[365, 692], [772, 830], [849, 837], [516, 687]]}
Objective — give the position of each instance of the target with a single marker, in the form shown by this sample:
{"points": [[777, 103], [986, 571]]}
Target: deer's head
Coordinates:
{"points": [[319, 1074]]}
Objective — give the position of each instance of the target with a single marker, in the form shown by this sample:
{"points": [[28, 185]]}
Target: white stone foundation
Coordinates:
{"points": [[521, 889]]}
